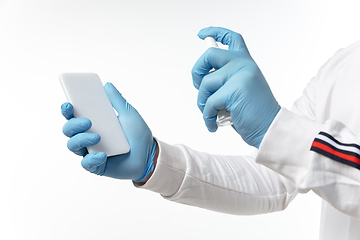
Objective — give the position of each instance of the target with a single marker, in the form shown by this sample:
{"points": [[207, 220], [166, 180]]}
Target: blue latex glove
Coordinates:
{"points": [[238, 86], [136, 164]]}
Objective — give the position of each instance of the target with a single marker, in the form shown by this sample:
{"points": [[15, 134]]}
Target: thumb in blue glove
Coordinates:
{"points": [[237, 86], [136, 164]]}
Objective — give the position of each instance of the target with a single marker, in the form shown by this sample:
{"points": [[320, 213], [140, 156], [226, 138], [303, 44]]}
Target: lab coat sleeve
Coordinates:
{"points": [[317, 153], [228, 184]]}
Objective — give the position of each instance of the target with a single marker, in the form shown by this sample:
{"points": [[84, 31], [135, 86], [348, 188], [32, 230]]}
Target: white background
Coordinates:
{"points": [[147, 49]]}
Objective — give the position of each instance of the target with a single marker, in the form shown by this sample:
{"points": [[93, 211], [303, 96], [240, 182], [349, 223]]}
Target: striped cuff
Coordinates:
{"points": [[328, 146]]}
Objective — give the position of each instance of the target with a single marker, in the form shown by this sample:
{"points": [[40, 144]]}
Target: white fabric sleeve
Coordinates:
{"points": [[228, 184], [311, 147]]}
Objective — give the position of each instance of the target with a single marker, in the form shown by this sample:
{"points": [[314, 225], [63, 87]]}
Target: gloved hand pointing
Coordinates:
{"points": [[136, 164], [238, 86]]}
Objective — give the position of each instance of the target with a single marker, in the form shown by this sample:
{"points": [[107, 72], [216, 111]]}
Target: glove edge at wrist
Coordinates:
{"points": [[149, 163], [275, 113]]}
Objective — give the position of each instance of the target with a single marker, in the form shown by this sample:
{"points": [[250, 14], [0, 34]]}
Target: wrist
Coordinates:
{"points": [[271, 119], [153, 162]]}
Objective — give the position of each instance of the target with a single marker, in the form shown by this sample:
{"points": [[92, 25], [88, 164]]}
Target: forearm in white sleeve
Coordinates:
{"points": [[228, 184], [316, 145]]}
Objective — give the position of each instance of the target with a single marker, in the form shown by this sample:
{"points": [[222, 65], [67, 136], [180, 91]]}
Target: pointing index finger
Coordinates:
{"points": [[227, 37]]}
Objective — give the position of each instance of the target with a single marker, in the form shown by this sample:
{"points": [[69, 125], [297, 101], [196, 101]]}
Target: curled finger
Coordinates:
{"points": [[81, 141]]}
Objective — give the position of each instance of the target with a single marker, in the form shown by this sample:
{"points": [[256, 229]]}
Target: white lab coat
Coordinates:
{"points": [[288, 161]]}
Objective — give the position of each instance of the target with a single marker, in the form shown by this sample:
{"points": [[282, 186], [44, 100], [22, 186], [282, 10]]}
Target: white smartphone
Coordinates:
{"points": [[86, 93]]}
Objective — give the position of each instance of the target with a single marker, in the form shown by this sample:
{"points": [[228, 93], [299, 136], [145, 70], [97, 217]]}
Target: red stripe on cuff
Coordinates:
{"points": [[336, 153]]}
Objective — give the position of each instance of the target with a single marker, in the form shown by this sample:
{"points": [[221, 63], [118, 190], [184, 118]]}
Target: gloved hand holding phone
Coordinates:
{"points": [[136, 164]]}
